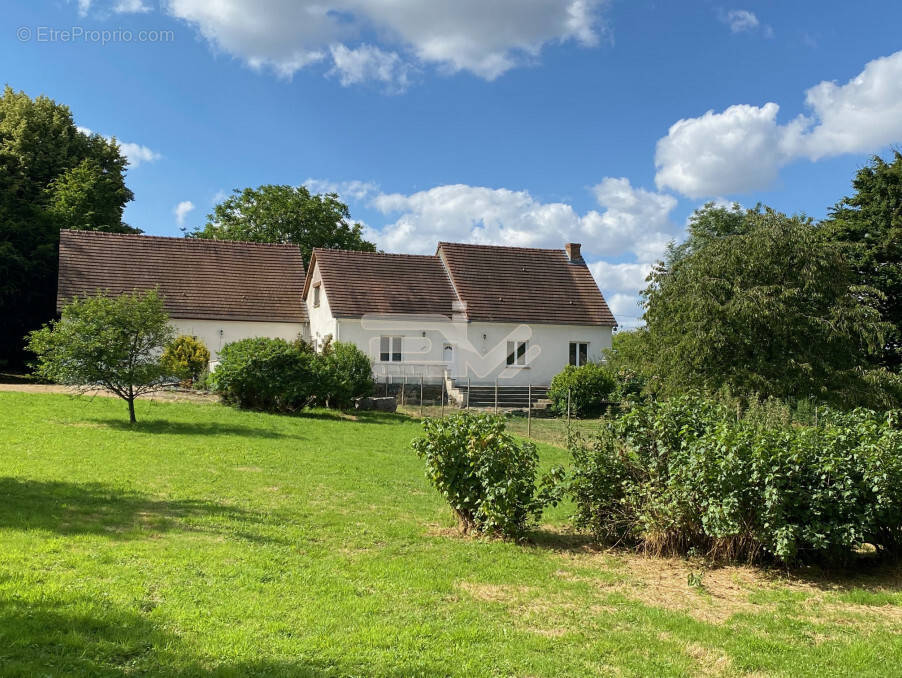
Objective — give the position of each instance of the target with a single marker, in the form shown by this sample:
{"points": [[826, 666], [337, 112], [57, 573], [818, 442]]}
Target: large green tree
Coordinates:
{"points": [[285, 214], [870, 222], [758, 302], [51, 177], [111, 342]]}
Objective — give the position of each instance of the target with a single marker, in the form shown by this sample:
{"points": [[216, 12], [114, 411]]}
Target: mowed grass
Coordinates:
{"points": [[212, 542]]}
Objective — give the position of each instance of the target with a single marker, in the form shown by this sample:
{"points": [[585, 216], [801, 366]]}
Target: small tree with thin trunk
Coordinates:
{"points": [[110, 342]]}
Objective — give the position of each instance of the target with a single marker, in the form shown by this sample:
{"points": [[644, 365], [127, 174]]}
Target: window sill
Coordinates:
{"points": [[519, 367]]}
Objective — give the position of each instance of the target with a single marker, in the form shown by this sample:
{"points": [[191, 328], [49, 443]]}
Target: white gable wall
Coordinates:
{"points": [[322, 323]]}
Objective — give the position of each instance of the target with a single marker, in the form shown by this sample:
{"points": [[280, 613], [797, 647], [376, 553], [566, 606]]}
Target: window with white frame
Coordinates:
{"points": [[390, 349], [579, 353], [316, 296], [516, 352]]}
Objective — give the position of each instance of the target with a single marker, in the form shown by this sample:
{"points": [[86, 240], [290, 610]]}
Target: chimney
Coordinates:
{"points": [[573, 254]]}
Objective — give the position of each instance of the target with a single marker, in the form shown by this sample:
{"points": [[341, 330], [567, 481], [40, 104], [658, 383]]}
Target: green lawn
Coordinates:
{"points": [[211, 542]]}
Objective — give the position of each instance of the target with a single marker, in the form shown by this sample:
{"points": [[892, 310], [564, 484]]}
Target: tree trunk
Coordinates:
{"points": [[131, 410]]}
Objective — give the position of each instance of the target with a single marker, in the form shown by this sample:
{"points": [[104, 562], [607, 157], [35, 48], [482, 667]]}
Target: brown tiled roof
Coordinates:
{"points": [[517, 284], [358, 283], [202, 279]]}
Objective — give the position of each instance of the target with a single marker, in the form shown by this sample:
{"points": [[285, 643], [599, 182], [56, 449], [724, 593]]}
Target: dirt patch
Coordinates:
{"points": [[165, 396], [720, 593], [710, 662], [493, 593]]}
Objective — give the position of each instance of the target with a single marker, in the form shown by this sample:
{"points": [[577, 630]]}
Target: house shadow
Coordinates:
{"points": [[194, 428], [66, 508]]}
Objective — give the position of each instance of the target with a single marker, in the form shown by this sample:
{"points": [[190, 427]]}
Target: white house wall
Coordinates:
{"points": [[479, 348], [217, 333]]}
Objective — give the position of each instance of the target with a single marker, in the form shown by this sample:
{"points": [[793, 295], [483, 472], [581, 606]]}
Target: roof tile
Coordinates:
{"points": [[201, 279]]}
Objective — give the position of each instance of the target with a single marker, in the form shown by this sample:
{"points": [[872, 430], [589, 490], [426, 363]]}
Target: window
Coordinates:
{"points": [[390, 349], [316, 296], [579, 353], [516, 352]]}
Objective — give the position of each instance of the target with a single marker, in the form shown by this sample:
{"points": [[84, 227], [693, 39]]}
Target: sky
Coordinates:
{"points": [[521, 122]]}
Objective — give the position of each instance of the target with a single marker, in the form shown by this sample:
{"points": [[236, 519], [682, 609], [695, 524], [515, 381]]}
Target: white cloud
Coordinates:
{"points": [[861, 116], [355, 190], [740, 20], [182, 210], [621, 277], [369, 63], [136, 153], [737, 150], [485, 38], [742, 148], [744, 21], [632, 220], [131, 7], [627, 308]]}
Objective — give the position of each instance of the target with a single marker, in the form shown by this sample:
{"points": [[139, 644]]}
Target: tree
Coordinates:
{"points": [[757, 302], [285, 214], [870, 222], [51, 177], [113, 342]]}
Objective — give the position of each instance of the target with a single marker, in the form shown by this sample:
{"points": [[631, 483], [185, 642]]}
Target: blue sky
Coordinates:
{"points": [[529, 122]]}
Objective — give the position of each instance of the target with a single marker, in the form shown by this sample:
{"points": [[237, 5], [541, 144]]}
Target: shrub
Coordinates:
{"points": [[345, 372], [265, 374], [483, 472], [688, 473], [186, 357], [588, 385]]}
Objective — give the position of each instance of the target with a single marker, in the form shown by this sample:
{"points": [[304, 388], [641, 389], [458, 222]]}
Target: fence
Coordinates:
{"points": [[435, 397]]}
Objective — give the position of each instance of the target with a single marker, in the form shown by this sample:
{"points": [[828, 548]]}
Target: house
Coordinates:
{"points": [[467, 314], [215, 290], [472, 313]]}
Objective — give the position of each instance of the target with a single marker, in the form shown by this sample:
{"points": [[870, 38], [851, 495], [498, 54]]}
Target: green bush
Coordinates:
{"points": [[688, 473], [186, 357], [345, 372], [265, 374], [487, 477], [588, 385]]}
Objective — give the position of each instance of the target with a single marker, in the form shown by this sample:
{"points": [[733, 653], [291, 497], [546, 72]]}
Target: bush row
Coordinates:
{"points": [[275, 375], [689, 474]]}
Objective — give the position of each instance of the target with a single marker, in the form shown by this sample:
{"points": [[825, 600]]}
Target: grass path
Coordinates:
{"points": [[212, 542]]}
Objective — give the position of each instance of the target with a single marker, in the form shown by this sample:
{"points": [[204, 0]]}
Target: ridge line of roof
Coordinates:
{"points": [[381, 254], [172, 238], [501, 247]]}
